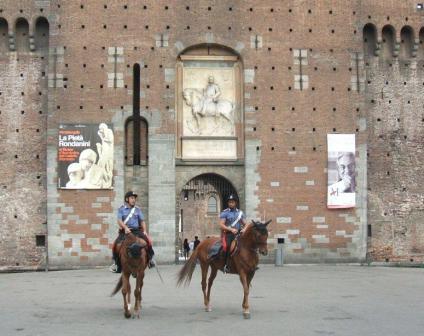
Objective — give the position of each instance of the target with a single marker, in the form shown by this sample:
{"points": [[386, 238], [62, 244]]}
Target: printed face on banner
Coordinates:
{"points": [[85, 156], [341, 171]]}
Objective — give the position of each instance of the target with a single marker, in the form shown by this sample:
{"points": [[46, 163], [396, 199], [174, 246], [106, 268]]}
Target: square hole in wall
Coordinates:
{"points": [[40, 240]]}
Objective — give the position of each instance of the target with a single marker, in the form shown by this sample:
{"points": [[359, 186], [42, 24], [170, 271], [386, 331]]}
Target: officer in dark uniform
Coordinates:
{"points": [[131, 219], [231, 221]]}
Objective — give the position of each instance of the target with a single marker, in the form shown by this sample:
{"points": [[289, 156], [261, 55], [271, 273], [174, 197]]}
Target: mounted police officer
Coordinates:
{"points": [[131, 219], [231, 222]]}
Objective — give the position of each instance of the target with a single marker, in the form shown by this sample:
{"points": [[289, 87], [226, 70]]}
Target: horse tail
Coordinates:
{"points": [[185, 274], [117, 287]]}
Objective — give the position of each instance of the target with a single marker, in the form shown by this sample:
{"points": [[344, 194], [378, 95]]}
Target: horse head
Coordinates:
{"points": [[187, 96], [134, 246], [194, 99], [134, 250], [261, 235]]}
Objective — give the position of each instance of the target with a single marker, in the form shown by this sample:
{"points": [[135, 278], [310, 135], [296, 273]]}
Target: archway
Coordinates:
{"points": [[200, 202], [369, 39]]}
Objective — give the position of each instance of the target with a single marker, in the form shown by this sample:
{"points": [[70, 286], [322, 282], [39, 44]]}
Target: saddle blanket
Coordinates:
{"points": [[214, 250]]}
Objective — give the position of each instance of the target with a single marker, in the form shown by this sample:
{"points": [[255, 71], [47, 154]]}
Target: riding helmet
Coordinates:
{"points": [[130, 193], [232, 198]]}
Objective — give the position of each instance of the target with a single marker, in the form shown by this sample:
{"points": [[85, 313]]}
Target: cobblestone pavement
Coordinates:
{"points": [[290, 300]]}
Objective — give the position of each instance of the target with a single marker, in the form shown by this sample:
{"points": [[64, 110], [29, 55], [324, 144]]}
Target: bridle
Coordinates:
{"points": [[259, 244], [256, 242]]}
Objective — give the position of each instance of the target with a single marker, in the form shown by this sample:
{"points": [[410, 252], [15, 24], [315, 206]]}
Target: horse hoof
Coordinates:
{"points": [[127, 315], [208, 309], [246, 315]]}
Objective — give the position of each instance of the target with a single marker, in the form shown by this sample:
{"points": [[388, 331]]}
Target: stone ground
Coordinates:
{"points": [[290, 300]]}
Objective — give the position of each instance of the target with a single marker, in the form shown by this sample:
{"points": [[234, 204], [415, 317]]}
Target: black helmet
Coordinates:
{"points": [[232, 198], [130, 193]]}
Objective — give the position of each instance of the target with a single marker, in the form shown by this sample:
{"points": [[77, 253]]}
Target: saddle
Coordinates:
{"points": [[218, 249]]}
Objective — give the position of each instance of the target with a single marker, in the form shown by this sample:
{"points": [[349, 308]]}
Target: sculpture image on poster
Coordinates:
{"points": [[85, 156], [341, 171]]}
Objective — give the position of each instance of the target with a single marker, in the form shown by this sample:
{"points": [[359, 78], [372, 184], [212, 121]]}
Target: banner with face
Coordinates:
{"points": [[341, 171]]}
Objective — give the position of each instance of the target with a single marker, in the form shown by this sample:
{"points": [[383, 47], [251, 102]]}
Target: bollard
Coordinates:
{"points": [[279, 252]]}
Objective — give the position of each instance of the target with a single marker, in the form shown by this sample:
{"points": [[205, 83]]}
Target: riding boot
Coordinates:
{"points": [[227, 266], [113, 268], [150, 254], [118, 264], [116, 267]]}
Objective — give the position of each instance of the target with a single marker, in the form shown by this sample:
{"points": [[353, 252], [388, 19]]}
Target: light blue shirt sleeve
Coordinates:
{"points": [[140, 215], [120, 212]]}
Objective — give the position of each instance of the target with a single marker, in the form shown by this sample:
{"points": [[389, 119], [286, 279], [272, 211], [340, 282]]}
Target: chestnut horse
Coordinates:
{"points": [[243, 262], [133, 257]]}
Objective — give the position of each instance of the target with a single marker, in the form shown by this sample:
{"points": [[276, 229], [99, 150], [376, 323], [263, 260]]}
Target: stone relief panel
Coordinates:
{"points": [[209, 101]]}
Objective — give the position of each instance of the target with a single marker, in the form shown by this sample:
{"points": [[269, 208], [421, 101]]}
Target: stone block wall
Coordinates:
{"points": [[393, 85], [23, 120]]}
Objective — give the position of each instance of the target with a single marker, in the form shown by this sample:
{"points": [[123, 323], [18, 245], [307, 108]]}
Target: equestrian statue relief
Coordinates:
{"points": [[206, 103]]}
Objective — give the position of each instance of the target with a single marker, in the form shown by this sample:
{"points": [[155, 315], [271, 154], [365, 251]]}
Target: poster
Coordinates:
{"points": [[341, 171], [85, 156]]}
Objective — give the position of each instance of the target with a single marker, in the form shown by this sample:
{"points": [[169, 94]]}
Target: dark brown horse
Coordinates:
{"points": [[243, 262], [133, 257]]}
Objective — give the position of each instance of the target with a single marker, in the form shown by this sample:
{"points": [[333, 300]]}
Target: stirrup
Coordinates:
{"points": [[226, 269], [151, 263], [113, 268]]}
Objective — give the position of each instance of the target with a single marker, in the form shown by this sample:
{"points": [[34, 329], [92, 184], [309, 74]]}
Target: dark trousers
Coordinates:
{"points": [[229, 237]]}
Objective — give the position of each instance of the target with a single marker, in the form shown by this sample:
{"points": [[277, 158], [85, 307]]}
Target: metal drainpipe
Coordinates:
{"points": [[46, 268]]}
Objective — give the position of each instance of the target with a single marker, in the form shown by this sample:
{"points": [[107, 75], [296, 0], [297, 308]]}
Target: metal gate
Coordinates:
{"points": [[205, 183]]}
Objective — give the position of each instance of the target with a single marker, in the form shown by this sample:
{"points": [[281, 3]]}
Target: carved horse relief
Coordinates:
{"points": [[206, 106]]}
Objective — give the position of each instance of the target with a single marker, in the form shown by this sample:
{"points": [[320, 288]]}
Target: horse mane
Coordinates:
{"points": [[132, 238], [248, 237], [260, 227], [129, 239]]}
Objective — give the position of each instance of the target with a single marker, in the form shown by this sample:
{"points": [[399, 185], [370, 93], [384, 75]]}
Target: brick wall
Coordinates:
{"points": [[23, 119]]}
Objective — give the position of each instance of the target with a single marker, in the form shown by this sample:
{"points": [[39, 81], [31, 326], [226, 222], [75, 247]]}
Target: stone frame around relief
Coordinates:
{"points": [[207, 129]]}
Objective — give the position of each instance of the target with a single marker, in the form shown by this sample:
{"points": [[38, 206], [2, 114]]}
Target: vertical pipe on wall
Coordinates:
{"points": [[136, 114]]}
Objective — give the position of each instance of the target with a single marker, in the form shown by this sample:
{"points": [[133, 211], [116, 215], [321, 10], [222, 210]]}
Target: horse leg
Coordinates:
{"points": [[250, 277], [245, 305], [212, 276], [197, 123], [204, 266], [137, 293], [126, 290]]}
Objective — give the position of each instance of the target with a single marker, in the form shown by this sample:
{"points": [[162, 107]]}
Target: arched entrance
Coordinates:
{"points": [[200, 202]]}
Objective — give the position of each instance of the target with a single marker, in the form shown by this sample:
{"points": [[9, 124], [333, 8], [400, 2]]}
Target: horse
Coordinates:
{"points": [[243, 262], [133, 256], [196, 100]]}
